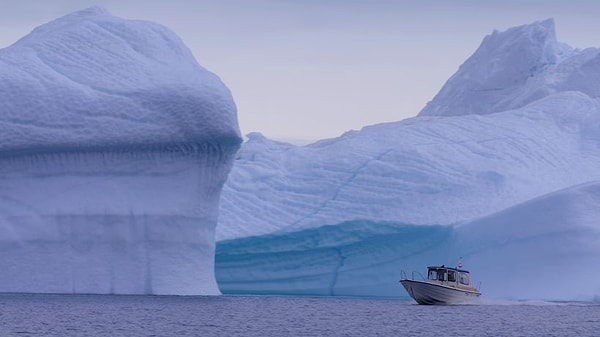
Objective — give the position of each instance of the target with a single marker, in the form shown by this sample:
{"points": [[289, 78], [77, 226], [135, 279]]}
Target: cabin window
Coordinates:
{"points": [[451, 276], [441, 275], [432, 274], [464, 279]]}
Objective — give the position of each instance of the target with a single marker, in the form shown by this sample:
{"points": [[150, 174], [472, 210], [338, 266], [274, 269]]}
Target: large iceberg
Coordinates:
{"points": [[114, 146], [512, 138], [546, 248]]}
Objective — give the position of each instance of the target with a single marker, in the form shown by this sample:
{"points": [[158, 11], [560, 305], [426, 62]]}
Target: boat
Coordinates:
{"points": [[444, 285]]}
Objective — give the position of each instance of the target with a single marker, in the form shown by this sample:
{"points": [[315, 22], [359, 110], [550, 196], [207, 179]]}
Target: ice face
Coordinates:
{"points": [[342, 216], [535, 250], [114, 146], [540, 248]]}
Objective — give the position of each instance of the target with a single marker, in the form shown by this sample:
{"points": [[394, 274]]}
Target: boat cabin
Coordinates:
{"points": [[452, 277]]}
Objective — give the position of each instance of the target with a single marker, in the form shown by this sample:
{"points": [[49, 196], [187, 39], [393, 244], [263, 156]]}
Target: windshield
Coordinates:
{"points": [[464, 279], [451, 276]]}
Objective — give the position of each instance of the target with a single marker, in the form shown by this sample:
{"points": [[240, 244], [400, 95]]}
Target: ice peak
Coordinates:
{"points": [[539, 38], [257, 136], [89, 11], [501, 69], [538, 29]]}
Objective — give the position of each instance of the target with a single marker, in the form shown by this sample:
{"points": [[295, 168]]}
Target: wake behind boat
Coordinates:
{"points": [[444, 285]]}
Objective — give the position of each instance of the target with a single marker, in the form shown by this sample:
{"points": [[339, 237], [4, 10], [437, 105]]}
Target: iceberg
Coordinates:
{"points": [[509, 70], [518, 122], [114, 146], [545, 248]]}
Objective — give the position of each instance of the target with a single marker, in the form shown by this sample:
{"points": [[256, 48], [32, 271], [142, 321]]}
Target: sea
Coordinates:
{"points": [[107, 315]]}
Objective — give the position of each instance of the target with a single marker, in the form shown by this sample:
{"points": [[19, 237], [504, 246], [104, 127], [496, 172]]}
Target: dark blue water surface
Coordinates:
{"points": [[97, 315]]}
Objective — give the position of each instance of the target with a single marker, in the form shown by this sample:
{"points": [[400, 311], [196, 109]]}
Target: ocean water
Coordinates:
{"points": [[98, 315]]}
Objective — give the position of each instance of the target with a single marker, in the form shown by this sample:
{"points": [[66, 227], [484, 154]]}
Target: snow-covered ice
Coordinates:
{"points": [[463, 167], [114, 146], [508, 70], [519, 121]]}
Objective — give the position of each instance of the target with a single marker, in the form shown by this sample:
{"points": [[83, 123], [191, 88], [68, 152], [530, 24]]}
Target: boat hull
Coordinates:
{"points": [[429, 293]]}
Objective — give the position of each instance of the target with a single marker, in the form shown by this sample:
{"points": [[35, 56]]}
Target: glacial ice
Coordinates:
{"points": [[546, 248], [114, 146], [462, 167], [509, 70], [511, 141]]}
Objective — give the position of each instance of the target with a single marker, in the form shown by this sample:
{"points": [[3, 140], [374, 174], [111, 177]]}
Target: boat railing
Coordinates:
{"points": [[419, 274], [414, 275]]}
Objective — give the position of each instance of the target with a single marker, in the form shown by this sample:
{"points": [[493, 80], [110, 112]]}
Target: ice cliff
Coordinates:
{"points": [[519, 121], [114, 146]]}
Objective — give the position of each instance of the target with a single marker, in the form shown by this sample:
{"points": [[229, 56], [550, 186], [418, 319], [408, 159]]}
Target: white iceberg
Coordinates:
{"points": [[546, 248], [114, 146], [519, 120]]}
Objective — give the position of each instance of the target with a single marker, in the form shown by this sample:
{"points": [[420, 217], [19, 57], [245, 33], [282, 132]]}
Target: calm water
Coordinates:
{"points": [[91, 315]]}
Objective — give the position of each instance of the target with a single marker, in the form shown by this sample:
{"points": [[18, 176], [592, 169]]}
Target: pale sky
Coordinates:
{"points": [[313, 69]]}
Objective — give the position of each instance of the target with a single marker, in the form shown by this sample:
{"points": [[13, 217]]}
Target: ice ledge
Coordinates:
{"points": [[233, 143]]}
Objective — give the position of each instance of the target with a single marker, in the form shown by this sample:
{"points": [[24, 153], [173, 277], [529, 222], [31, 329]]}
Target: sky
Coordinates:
{"points": [[302, 70]]}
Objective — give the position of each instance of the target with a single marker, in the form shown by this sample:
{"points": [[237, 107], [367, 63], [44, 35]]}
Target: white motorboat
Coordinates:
{"points": [[444, 285]]}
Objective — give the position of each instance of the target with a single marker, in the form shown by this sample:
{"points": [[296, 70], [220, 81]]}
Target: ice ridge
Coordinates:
{"points": [[509, 70]]}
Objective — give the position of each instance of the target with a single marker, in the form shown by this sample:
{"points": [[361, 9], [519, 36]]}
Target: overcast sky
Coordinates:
{"points": [[312, 69]]}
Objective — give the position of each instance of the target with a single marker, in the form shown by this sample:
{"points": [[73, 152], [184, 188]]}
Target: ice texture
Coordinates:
{"points": [[513, 68], [114, 146], [462, 167], [342, 216], [546, 248]]}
